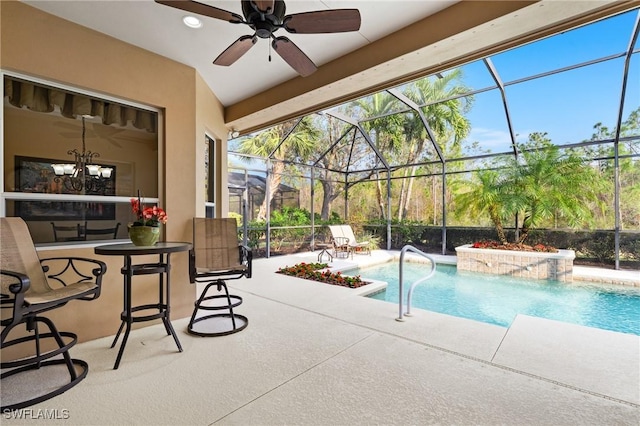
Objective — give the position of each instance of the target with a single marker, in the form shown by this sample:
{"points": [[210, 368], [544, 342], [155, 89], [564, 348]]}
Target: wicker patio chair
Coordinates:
{"points": [[341, 248], [345, 241]]}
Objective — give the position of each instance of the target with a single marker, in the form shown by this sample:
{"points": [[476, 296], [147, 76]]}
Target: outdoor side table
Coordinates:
{"points": [[162, 268], [324, 247]]}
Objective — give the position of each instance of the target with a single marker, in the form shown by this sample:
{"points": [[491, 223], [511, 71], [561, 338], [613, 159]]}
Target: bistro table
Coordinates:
{"points": [[162, 268]]}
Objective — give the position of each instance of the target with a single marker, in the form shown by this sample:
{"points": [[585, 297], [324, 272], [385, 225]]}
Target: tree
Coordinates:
{"points": [[446, 119], [550, 182], [484, 196], [628, 168], [542, 183], [331, 129], [385, 131], [277, 146]]}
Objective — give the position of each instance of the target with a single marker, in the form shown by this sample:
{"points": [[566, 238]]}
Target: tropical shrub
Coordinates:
{"points": [[319, 272], [542, 184]]}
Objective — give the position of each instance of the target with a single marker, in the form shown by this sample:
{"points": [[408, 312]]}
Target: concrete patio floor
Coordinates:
{"points": [[323, 355]]}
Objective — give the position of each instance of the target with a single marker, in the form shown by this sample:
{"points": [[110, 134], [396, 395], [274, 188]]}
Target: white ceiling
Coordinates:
{"points": [[159, 29]]}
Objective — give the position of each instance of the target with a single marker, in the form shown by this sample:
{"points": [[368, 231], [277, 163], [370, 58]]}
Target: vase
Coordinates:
{"points": [[144, 235]]}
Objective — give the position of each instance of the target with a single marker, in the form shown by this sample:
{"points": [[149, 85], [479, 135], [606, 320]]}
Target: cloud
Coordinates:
{"points": [[491, 140]]}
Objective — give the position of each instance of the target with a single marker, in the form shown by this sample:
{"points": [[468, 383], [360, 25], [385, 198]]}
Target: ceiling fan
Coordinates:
{"points": [[266, 17]]}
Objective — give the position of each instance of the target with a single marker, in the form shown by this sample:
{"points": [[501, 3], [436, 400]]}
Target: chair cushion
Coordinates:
{"points": [[230, 269]]}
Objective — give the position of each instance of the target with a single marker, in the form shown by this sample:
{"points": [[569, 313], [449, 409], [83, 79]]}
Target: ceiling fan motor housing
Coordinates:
{"points": [[266, 17], [264, 24]]}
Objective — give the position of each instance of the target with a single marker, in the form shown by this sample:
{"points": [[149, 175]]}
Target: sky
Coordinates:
{"points": [[565, 105]]}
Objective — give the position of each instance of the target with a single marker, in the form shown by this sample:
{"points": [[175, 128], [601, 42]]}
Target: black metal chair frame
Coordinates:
{"points": [[111, 232], [77, 228], [218, 279], [82, 232], [30, 315]]}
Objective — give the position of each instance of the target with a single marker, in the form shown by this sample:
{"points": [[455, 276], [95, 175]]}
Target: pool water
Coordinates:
{"points": [[496, 299]]}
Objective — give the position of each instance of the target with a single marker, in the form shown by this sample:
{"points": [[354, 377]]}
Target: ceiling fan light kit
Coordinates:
{"points": [[268, 16]]}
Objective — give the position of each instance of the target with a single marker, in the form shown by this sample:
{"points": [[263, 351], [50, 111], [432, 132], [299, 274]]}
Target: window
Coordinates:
{"points": [[210, 177], [104, 151]]}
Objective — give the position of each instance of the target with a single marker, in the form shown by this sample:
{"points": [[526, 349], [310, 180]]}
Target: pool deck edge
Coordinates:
{"points": [[578, 357]]}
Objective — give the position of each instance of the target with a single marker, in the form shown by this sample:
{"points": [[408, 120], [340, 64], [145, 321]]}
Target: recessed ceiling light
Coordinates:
{"points": [[192, 22]]}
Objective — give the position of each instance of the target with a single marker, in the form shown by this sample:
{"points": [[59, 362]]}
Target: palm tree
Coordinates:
{"points": [[485, 195], [386, 132], [542, 184], [549, 182], [446, 119], [272, 144]]}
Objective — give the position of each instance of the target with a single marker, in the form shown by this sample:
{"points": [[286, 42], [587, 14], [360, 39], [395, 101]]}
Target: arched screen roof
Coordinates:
{"points": [[577, 88]]}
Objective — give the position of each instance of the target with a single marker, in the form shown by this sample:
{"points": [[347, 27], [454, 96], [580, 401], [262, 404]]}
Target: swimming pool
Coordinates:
{"points": [[496, 299]]}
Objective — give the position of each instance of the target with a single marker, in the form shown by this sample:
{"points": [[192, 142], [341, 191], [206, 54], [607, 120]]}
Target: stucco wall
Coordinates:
{"points": [[208, 106], [37, 44]]}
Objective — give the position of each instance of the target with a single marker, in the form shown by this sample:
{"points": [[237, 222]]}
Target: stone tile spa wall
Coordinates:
{"points": [[533, 265]]}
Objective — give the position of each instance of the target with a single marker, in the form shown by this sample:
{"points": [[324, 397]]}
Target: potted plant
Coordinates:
{"points": [[145, 229]]}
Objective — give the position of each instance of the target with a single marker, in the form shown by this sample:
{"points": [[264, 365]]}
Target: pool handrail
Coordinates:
{"points": [[405, 249]]}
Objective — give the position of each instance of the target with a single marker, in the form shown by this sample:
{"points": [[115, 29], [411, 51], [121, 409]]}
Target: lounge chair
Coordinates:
{"points": [[344, 241]]}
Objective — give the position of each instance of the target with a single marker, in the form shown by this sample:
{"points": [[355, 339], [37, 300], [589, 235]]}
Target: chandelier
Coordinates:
{"points": [[83, 176]]}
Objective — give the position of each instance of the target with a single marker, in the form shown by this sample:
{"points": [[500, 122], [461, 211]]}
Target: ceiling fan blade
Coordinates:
{"points": [[292, 55], [323, 21], [236, 50], [265, 6], [202, 9]]}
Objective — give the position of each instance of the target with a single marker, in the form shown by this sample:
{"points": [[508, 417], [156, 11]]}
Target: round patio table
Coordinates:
{"points": [[162, 268]]}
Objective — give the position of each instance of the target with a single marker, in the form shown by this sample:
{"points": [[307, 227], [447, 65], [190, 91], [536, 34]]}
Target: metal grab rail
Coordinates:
{"points": [[400, 283]]}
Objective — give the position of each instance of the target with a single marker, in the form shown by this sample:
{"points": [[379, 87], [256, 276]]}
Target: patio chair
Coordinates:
{"points": [[102, 233], [64, 233], [345, 241], [216, 257], [29, 287], [360, 247], [341, 248]]}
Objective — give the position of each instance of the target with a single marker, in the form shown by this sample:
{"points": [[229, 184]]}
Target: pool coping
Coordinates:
{"points": [[581, 274]]}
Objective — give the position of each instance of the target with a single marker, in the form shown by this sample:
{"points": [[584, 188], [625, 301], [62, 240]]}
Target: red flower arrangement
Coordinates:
{"points": [[489, 244], [147, 216], [314, 271]]}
